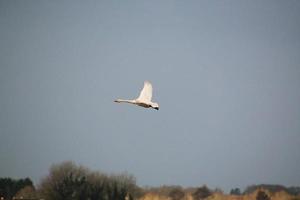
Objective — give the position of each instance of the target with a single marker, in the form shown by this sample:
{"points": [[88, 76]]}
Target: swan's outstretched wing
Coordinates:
{"points": [[146, 93]]}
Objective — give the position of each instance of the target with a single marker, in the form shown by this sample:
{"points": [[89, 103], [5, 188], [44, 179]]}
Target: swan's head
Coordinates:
{"points": [[155, 106]]}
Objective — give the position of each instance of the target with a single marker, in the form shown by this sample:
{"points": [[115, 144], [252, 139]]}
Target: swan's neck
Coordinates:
{"points": [[125, 101]]}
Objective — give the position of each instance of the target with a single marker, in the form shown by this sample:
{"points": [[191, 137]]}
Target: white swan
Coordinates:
{"points": [[144, 99]]}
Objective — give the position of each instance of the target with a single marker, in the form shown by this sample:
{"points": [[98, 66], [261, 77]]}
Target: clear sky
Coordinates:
{"points": [[225, 73]]}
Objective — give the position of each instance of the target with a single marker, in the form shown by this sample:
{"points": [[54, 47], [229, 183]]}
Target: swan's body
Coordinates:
{"points": [[144, 99]]}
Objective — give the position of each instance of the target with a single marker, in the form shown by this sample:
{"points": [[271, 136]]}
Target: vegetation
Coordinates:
{"points": [[176, 194], [9, 187], [202, 193], [235, 191], [261, 195], [68, 181], [28, 192], [273, 188]]}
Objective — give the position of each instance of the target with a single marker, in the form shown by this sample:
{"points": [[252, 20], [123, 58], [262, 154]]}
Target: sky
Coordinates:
{"points": [[226, 75]]}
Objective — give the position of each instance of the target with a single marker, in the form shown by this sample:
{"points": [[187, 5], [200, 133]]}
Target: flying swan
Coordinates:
{"points": [[144, 99]]}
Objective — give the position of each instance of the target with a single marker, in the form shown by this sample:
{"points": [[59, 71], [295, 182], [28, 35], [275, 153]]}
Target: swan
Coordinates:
{"points": [[144, 99]]}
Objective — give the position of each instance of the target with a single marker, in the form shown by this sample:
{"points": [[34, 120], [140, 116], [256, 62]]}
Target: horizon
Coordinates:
{"points": [[246, 190], [226, 76]]}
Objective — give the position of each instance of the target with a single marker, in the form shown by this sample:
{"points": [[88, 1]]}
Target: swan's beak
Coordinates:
{"points": [[157, 108]]}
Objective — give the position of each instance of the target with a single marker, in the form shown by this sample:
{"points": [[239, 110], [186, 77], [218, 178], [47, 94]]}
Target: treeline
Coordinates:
{"points": [[273, 188], [205, 193], [178, 192], [67, 181], [9, 187]]}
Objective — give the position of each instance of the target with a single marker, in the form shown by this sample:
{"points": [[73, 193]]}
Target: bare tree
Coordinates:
{"points": [[67, 181]]}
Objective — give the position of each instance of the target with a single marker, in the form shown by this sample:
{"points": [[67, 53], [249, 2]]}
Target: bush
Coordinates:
{"points": [[28, 192], [202, 193], [176, 193], [261, 195], [235, 191]]}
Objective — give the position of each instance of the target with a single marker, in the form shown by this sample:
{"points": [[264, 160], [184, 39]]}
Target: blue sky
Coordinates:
{"points": [[225, 73]]}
